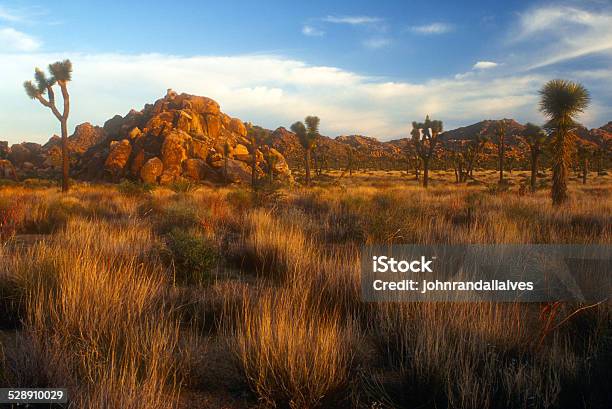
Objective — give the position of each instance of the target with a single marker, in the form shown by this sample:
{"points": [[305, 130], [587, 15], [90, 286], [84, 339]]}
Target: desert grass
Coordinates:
{"points": [[89, 281]]}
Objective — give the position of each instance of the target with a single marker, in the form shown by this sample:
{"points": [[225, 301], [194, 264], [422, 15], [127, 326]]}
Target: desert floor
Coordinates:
{"points": [[200, 296]]}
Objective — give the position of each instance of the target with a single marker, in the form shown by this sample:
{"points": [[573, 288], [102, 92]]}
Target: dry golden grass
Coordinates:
{"points": [[88, 298]]}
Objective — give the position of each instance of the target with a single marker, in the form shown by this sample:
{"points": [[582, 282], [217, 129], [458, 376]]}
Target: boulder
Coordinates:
{"points": [[194, 169], [173, 151], [151, 170], [237, 126], [237, 171], [118, 157], [137, 162], [279, 164], [113, 125], [20, 154], [84, 137], [213, 126], [241, 152]]}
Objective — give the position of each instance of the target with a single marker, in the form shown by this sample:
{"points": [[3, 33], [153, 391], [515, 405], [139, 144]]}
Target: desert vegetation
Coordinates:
{"points": [[193, 296]]}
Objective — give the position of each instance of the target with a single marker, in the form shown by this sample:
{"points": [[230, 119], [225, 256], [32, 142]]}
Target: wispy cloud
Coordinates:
{"points": [[9, 15], [13, 40], [352, 20], [311, 31], [485, 65], [568, 32], [376, 42], [432, 28]]}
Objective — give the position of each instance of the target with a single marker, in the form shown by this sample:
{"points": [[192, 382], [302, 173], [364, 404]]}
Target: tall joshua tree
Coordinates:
{"points": [[501, 147], [61, 74], [560, 102], [307, 135], [535, 138], [426, 136]]}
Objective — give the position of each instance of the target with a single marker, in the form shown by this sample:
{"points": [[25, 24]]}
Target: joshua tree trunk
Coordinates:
{"points": [[585, 170], [65, 162], [534, 170], [562, 146], [425, 172], [307, 165], [502, 152]]}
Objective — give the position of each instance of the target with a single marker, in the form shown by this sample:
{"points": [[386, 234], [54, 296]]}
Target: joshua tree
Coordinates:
{"points": [[471, 153], [61, 74], [500, 132], [426, 136], [561, 101], [535, 138], [584, 152], [307, 135], [350, 160]]}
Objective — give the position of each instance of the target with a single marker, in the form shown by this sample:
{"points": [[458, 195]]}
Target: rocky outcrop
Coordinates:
{"points": [[184, 133]]}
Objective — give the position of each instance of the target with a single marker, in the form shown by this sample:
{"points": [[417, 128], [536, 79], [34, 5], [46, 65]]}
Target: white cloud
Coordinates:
{"points": [[569, 32], [312, 31], [352, 20], [432, 28], [13, 40], [376, 42], [485, 65], [268, 90]]}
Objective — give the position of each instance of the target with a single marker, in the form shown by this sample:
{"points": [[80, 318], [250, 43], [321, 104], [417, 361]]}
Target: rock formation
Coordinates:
{"points": [[180, 136]]}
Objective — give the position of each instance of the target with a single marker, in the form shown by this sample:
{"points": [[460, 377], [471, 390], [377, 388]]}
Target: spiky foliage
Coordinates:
{"points": [[561, 101], [312, 126], [299, 130], [61, 70], [425, 136], [42, 90], [535, 138]]}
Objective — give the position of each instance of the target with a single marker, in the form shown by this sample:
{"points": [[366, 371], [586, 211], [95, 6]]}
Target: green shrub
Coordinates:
{"points": [[130, 188], [183, 186], [193, 256], [178, 215]]}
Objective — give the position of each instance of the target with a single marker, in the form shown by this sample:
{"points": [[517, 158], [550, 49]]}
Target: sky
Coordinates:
{"points": [[363, 67]]}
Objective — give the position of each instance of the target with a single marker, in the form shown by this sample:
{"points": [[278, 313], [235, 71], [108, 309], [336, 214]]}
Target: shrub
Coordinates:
{"points": [[130, 188], [183, 186], [193, 256], [178, 215], [290, 353]]}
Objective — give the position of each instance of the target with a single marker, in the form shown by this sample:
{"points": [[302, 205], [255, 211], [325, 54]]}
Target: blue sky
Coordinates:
{"points": [[363, 67]]}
